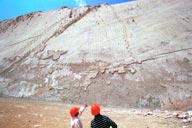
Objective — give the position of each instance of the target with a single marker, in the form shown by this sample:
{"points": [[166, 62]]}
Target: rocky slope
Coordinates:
{"points": [[135, 54]]}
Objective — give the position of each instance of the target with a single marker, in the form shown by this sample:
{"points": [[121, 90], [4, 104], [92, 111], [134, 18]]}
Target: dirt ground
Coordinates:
{"points": [[20, 113]]}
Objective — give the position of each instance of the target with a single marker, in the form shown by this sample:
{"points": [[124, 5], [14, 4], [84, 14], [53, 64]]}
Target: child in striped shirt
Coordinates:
{"points": [[100, 121]]}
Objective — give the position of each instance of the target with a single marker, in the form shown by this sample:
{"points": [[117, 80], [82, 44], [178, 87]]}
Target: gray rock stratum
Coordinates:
{"points": [[135, 54]]}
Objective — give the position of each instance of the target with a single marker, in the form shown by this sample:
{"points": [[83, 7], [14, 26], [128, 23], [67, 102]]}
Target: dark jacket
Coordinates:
{"points": [[101, 121]]}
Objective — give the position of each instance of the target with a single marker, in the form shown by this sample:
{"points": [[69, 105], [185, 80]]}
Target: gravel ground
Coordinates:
{"points": [[22, 113]]}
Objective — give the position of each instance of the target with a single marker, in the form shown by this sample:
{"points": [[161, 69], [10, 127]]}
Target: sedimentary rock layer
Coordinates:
{"points": [[135, 54]]}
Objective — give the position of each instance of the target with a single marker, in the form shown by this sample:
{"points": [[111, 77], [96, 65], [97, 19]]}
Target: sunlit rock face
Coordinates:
{"points": [[135, 54]]}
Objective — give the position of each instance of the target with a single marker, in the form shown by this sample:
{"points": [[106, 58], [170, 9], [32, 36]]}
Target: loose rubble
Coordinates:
{"points": [[184, 117]]}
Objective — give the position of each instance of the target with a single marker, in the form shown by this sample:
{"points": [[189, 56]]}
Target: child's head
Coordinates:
{"points": [[95, 109], [74, 111]]}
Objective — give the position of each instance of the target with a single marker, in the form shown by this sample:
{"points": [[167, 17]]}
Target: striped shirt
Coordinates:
{"points": [[101, 121]]}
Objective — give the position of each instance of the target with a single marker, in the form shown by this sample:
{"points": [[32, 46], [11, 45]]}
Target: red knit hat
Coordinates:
{"points": [[74, 111], [95, 109]]}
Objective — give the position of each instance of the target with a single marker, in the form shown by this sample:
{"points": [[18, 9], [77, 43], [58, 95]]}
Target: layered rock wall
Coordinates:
{"points": [[135, 54]]}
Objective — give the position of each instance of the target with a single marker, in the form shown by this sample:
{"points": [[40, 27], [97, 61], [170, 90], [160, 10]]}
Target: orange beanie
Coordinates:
{"points": [[95, 109], [74, 111]]}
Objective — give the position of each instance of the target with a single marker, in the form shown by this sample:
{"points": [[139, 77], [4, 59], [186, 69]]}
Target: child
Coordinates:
{"points": [[100, 121], [75, 113]]}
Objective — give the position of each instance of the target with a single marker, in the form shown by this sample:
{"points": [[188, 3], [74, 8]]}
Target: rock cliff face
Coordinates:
{"points": [[135, 54]]}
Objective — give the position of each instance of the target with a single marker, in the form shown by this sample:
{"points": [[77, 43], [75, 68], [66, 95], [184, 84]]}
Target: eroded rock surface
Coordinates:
{"points": [[135, 54]]}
